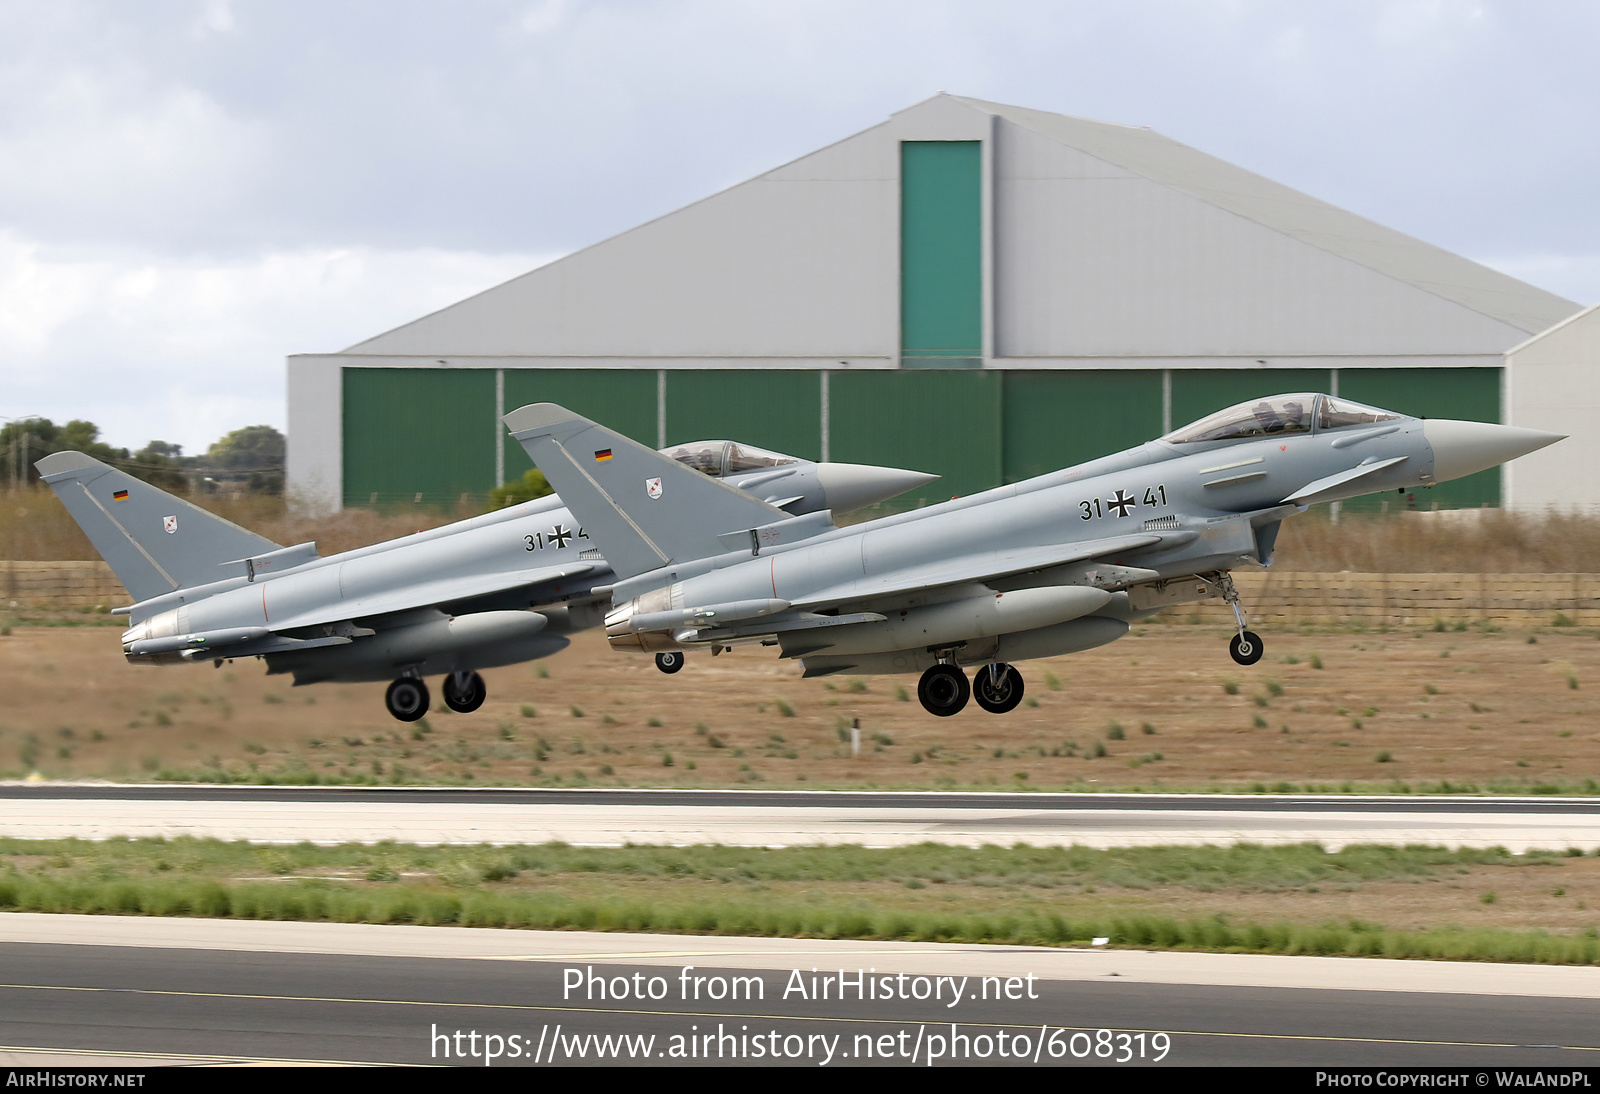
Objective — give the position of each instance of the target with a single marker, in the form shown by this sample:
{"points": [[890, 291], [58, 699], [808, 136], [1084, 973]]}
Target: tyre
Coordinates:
{"points": [[670, 661], [464, 695], [998, 697], [1246, 648], [943, 690], [407, 699]]}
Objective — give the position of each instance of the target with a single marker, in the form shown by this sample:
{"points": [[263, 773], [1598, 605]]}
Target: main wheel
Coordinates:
{"points": [[1001, 696], [670, 661], [943, 690], [1246, 648], [464, 692], [407, 699]]}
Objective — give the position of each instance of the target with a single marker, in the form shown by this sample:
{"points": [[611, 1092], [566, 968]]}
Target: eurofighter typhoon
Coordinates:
{"points": [[493, 590], [1053, 565]]}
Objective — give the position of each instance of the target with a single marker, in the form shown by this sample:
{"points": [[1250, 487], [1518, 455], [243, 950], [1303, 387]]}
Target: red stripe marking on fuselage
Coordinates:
{"points": [[774, 564], [265, 618]]}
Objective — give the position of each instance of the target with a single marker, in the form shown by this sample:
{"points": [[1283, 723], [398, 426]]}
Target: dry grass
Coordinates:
{"points": [[1467, 711], [35, 527], [1450, 541], [1414, 901]]}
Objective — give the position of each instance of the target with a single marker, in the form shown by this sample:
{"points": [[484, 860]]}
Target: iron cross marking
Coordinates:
{"points": [[559, 536], [1121, 503]]}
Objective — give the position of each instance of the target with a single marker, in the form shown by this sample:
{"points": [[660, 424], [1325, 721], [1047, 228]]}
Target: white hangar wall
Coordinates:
{"points": [[1553, 382], [1094, 248]]}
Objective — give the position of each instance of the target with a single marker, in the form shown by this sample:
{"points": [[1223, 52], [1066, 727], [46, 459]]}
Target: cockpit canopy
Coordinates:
{"points": [[1279, 414], [718, 458]]}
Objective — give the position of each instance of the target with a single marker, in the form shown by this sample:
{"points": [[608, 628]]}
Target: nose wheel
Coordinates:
{"points": [[1246, 646], [464, 692], [943, 690], [997, 688], [670, 661], [407, 699]]}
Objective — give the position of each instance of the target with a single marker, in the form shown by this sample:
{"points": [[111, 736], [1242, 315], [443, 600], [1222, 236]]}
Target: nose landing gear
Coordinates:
{"points": [[1246, 646]]}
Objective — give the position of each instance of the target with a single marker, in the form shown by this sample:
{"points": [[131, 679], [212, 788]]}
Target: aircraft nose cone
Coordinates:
{"points": [[848, 486], [1460, 448]]}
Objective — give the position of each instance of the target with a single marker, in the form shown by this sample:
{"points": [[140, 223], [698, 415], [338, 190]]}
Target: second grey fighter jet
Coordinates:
{"points": [[497, 589], [1053, 565]]}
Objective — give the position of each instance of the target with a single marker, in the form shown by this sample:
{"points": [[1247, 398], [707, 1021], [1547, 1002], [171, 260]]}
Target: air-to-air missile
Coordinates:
{"points": [[497, 589], [1052, 565]]}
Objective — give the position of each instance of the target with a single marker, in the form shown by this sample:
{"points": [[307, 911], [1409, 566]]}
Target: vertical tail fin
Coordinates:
{"points": [[644, 509], [153, 541]]}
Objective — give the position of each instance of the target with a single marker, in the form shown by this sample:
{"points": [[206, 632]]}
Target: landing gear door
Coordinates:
{"points": [[1177, 590]]}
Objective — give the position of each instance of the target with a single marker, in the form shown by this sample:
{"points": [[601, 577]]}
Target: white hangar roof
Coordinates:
{"points": [[1304, 218], [1104, 245]]}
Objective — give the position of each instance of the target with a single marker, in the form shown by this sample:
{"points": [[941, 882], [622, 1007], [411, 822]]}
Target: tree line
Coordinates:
{"points": [[248, 459]]}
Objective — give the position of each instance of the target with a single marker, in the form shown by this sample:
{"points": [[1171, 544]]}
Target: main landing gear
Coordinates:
{"points": [[1246, 646], [464, 692], [997, 688], [408, 699], [943, 689], [669, 661]]}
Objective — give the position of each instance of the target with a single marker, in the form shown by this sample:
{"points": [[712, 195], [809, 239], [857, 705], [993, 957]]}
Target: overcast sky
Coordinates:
{"points": [[192, 190]]}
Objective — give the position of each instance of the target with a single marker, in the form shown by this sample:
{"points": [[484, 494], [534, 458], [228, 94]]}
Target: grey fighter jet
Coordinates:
{"points": [[452, 600], [1053, 565]]}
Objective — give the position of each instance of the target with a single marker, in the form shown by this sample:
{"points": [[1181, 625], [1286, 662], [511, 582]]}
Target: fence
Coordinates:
{"points": [[1322, 599]]}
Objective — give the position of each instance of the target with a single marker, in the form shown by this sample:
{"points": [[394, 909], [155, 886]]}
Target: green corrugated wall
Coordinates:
{"points": [[623, 398], [946, 423], [433, 431], [1053, 420], [780, 409], [1472, 394], [411, 431]]}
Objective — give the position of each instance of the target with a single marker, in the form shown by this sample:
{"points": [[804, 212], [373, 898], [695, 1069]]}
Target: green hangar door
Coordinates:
{"points": [[418, 435], [941, 254]]}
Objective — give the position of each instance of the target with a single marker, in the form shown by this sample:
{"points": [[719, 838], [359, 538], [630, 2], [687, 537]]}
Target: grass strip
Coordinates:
{"points": [[1017, 895], [317, 900], [1241, 867]]}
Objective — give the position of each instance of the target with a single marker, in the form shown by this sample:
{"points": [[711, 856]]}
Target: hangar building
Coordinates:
{"points": [[979, 290]]}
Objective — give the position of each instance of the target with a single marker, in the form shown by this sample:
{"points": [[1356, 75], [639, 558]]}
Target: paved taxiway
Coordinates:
{"points": [[87, 989], [126, 991], [783, 818]]}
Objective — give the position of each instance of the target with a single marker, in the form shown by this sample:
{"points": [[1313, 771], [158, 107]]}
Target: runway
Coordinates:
{"points": [[783, 818], [135, 992], [87, 990]]}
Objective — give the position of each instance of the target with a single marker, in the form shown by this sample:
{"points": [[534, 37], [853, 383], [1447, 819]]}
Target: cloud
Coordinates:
{"points": [[216, 17], [542, 17], [184, 351], [190, 191], [535, 126]]}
